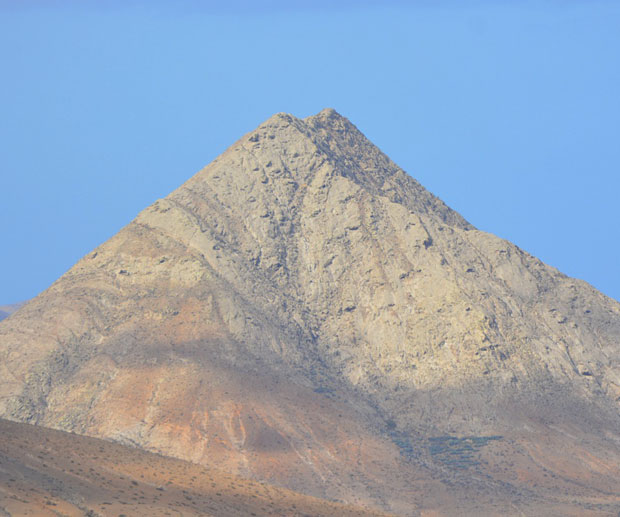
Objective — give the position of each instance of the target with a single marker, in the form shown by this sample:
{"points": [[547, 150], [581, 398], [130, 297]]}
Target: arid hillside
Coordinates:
{"points": [[304, 313], [45, 472]]}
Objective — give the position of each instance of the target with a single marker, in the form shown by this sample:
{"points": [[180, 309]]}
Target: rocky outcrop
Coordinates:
{"points": [[303, 312]]}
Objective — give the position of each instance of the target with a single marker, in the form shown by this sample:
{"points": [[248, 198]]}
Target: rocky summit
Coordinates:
{"points": [[302, 312]]}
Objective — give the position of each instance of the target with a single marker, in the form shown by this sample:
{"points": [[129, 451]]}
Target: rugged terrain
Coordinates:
{"points": [[50, 473], [304, 313]]}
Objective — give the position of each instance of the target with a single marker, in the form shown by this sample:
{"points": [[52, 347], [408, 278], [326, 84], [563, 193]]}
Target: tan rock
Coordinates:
{"points": [[303, 312]]}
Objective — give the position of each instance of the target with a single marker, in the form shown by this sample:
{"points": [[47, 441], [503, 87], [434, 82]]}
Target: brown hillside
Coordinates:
{"points": [[46, 472]]}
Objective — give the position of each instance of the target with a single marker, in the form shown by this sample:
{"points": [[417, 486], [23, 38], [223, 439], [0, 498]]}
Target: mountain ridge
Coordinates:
{"points": [[302, 303]]}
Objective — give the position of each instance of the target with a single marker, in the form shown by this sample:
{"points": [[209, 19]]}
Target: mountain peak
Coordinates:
{"points": [[327, 114], [286, 149], [303, 311], [278, 118], [329, 119]]}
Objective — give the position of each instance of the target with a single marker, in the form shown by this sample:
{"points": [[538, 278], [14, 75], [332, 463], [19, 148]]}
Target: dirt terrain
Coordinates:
{"points": [[45, 472]]}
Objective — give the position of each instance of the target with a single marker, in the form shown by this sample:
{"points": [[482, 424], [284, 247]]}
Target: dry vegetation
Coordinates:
{"points": [[46, 472]]}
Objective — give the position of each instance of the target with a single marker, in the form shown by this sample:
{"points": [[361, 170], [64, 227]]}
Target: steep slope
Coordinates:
{"points": [[303, 312], [50, 473]]}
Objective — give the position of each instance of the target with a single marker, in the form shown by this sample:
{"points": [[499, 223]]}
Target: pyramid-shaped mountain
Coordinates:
{"points": [[302, 312]]}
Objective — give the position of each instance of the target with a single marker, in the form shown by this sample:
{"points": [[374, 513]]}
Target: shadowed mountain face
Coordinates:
{"points": [[303, 312]]}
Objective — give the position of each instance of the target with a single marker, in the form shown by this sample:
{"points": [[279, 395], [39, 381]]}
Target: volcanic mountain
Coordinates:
{"points": [[302, 312]]}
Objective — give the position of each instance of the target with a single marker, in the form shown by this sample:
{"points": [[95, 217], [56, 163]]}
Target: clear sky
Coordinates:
{"points": [[507, 110]]}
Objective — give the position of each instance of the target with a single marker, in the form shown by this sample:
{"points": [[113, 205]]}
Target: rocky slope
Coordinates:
{"points": [[303, 312]]}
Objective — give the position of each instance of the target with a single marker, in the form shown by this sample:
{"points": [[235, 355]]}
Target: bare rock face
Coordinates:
{"points": [[304, 313]]}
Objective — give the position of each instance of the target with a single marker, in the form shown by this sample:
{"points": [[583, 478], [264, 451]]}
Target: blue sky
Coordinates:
{"points": [[508, 111]]}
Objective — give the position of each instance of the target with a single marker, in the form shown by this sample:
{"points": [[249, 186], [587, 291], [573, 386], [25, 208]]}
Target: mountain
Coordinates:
{"points": [[7, 310], [49, 473], [304, 313]]}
